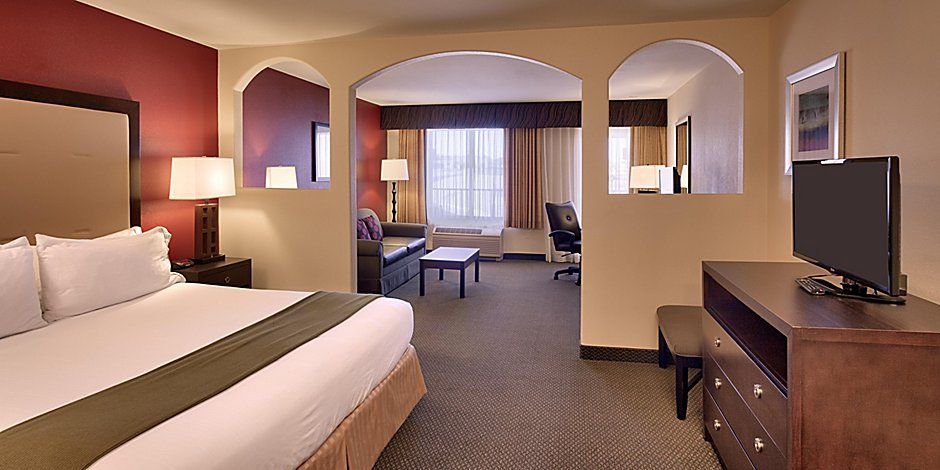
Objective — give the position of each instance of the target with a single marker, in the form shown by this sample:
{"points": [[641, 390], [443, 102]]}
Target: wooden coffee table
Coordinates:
{"points": [[452, 258]]}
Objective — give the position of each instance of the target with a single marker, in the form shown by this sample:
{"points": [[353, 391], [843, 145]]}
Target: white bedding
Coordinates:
{"points": [[275, 418]]}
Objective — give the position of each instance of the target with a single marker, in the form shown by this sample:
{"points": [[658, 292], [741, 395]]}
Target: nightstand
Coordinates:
{"points": [[233, 272]]}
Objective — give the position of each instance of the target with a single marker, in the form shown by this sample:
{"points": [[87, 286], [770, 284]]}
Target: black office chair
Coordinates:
{"points": [[565, 234]]}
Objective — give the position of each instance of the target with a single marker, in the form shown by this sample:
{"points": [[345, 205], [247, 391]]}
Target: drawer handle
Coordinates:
{"points": [[716, 425], [758, 391], [758, 445], [228, 279], [717, 342], [717, 383]]}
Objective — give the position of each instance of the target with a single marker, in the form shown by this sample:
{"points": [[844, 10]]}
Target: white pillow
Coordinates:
{"points": [[24, 242], [79, 276], [19, 301]]}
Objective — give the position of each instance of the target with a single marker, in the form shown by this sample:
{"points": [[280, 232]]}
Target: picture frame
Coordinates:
{"points": [[684, 153], [320, 160], [815, 106]]}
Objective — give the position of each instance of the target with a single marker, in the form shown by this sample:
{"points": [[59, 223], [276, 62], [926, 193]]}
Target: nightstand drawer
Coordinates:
{"points": [[232, 272], [239, 276]]}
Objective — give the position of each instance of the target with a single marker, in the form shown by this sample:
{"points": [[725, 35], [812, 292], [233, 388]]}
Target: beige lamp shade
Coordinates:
{"points": [[644, 177], [395, 170], [195, 178], [280, 177]]}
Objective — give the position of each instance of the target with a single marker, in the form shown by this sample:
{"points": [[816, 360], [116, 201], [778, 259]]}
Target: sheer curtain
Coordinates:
{"points": [[561, 173], [465, 177], [618, 160]]}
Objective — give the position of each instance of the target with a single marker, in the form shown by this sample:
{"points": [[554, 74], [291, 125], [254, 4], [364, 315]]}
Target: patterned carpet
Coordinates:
{"points": [[506, 389]]}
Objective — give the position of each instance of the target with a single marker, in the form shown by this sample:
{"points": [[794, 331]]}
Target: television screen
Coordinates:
{"points": [[846, 218]]}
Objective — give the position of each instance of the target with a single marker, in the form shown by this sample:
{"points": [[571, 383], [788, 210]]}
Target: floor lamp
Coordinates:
{"points": [[395, 170]]}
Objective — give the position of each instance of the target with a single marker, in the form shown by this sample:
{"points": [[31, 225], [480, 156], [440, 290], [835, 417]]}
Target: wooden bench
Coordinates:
{"points": [[680, 343]]}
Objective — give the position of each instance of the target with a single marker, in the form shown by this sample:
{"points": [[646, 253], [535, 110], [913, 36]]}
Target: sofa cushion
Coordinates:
{"points": [[362, 232], [375, 229], [394, 253], [412, 244]]}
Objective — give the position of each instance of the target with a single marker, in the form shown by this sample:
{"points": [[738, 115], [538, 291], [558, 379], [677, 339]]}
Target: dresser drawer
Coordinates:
{"points": [[764, 399], [761, 450], [237, 276], [730, 450]]}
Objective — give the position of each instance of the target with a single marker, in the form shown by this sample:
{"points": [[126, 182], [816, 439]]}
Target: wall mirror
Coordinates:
{"points": [[651, 150], [285, 128]]}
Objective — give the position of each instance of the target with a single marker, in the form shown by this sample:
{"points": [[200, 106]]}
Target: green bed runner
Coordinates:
{"points": [[76, 435]]}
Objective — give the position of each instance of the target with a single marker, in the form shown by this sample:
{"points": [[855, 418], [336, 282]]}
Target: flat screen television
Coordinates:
{"points": [[846, 219]]}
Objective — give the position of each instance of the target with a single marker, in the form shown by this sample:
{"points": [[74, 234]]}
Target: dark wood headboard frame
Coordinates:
{"points": [[74, 99]]}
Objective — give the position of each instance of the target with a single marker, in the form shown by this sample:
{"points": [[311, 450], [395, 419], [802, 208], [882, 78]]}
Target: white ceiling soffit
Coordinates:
{"points": [[471, 78], [658, 70], [233, 23]]}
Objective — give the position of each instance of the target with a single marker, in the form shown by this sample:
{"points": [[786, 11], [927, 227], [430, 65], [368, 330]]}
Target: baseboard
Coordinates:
{"points": [[525, 256], [606, 353]]}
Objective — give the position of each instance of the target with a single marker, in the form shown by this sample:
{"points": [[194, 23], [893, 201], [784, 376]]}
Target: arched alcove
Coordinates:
{"points": [[282, 126], [690, 137], [473, 104]]}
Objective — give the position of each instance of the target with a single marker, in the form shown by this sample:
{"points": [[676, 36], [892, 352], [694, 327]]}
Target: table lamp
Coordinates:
{"points": [[280, 177], [395, 170], [203, 178], [645, 178]]}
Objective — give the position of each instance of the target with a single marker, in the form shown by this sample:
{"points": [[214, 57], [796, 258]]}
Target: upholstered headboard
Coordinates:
{"points": [[69, 162]]}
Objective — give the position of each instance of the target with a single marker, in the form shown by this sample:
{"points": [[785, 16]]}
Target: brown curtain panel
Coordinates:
{"points": [[411, 202], [648, 145], [524, 179]]}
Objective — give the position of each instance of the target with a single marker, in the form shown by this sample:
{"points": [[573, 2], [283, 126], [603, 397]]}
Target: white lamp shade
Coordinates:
{"points": [[195, 178], [644, 176], [280, 177], [395, 170], [684, 177]]}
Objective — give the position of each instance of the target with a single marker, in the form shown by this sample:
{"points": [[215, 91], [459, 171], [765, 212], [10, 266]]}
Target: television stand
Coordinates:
{"points": [[815, 285]]}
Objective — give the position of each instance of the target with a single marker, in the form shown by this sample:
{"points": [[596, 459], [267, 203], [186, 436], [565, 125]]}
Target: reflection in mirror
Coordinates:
{"points": [[321, 152], [684, 153], [285, 123], [672, 81]]}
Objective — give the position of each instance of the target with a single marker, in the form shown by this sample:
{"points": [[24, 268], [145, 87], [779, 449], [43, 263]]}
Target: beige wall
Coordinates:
{"points": [[715, 99], [639, 253], [892, 107]]}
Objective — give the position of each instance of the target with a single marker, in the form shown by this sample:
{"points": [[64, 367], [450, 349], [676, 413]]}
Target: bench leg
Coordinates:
{"points": [[665, 357], [682, 391]]}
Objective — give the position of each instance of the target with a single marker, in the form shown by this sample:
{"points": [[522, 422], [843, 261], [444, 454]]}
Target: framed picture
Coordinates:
{"points": [[684, 153], [321, 152], [815, 98]]}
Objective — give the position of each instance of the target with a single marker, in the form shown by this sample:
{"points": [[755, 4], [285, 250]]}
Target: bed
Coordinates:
{"points": [[332, 402]]}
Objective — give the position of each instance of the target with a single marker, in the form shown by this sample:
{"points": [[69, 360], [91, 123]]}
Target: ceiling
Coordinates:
{"points": [[470, 79], [233, 23], [658, 70]]}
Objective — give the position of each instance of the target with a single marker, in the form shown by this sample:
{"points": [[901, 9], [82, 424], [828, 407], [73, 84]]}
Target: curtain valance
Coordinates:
{"points": [[623, 113]]}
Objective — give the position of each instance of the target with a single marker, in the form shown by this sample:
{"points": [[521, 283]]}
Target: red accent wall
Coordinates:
{"points": [[278, 111], [278, 114], [371, 145], [66, 44]]}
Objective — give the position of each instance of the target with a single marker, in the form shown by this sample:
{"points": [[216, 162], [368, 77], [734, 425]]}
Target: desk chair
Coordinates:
{"points": [[565, 234]]}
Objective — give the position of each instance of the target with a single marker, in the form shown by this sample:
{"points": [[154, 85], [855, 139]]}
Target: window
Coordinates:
{"points": [[618, 161], [321, 152], [465, 177]]}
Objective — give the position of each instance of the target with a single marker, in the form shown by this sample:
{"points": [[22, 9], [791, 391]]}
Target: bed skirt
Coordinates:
{"points": [[360, 438]]}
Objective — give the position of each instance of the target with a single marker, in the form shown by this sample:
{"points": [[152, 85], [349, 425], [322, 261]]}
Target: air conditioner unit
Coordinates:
{"points": [[488, 240]]}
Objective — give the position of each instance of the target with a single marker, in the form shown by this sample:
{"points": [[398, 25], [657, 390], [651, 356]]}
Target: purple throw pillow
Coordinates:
{"points": [[362, 232], [375, 230]]}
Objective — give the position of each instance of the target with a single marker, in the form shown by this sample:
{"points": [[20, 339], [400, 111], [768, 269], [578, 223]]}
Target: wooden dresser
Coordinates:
{"points": [[797, 381]]}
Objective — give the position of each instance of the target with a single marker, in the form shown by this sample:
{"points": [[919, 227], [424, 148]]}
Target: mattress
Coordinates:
{"points": [[276, 418]]}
